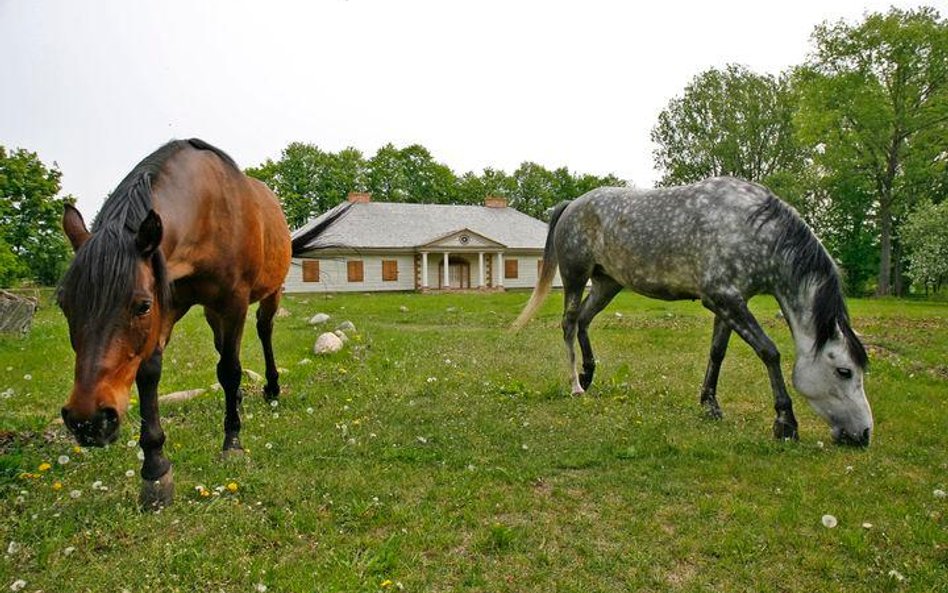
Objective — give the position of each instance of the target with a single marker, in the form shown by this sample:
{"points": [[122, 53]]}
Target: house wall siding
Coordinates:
{"points": [[333, 274]]}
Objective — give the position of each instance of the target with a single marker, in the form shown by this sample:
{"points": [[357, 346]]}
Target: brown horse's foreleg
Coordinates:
{"points": [[157, 484], [719, 340], [228, 330], [603, 290], [734, 310], [265, 313]]}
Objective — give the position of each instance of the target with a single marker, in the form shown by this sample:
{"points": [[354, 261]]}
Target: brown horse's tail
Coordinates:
{"points": [[305, 241], [547, 272]]}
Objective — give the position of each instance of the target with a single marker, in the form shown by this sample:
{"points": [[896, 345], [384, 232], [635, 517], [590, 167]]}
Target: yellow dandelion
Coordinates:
{"points": [[205, 492], [356, 422], [232, 487], [57, 485], [386, 583], [77, 449], [45, 466]]}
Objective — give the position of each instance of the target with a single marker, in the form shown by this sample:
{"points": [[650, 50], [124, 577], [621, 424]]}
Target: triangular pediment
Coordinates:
{"points": [[464, 239]]}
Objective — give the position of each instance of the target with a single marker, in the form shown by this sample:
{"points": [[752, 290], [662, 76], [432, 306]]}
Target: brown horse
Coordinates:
{"points": [[186, 227]]}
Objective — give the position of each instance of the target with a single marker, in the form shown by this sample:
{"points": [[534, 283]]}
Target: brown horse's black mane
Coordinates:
{"points": [[809, 262], [102, 275]]}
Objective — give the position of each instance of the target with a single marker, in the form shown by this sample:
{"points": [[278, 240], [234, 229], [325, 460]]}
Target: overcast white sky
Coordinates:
{"points": [[96, 86]]}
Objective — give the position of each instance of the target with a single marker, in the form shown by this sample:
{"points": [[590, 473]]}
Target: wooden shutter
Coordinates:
{"points": [[354, 270], [389, 270], [510, 268], [310, 270]]}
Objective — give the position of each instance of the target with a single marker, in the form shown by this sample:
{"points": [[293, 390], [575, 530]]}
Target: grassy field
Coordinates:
{"points": [[439, 452]]}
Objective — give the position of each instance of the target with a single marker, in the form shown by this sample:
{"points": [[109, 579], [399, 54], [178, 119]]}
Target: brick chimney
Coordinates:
{"points": [[495, 202], [360, 197]]}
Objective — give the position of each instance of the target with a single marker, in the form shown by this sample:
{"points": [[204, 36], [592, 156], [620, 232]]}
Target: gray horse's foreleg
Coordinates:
{"points": [[734, 310], [719, 340], [572, 299], [603, 290]]}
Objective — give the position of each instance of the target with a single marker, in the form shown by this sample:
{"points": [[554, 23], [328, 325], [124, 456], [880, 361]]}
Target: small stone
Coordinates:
{"points": [[403, 309], [260, 588], [68, 551], [305, 361], [939, 493], [253, 376], [13, 548], [829, 521], [318, 319], [896, 575], [422, 440], [867, 525], [346, 326], [341, 335], [282, 312], [327, 343], [18, 585]]}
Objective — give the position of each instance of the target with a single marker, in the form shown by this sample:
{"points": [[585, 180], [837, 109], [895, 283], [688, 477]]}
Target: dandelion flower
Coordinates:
{"points": [[867, 525], [896, 575], [13, 548], [45, 466], [274, 403], [63, 459], [68, 551], [141, 455], [57, 485], [386, 583], [131, 444], [269, 445], [309, 410], [75, 493], [18, 585], [28, 377], [130, 473], [77, 449], [938, 493], [829, 521], [261, 588], [97, 485], [232, 487]]}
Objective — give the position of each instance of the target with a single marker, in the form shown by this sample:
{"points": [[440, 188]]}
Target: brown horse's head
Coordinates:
{"points": [[112, 295]]}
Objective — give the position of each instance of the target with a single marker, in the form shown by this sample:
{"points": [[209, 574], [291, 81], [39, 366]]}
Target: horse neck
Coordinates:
{"points": [[797, 304]]}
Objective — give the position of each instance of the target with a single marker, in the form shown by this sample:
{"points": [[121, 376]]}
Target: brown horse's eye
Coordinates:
{"points": [[142, 308]]}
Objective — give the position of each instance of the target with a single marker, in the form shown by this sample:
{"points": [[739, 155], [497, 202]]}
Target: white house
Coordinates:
{"points": [[382, 246]]}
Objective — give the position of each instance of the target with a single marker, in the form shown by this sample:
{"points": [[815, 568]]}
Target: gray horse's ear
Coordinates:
{"points": [[75, 227], [149, 234]]}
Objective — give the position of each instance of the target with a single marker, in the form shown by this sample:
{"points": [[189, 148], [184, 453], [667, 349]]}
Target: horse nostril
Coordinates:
{"points": [[107, 420]]}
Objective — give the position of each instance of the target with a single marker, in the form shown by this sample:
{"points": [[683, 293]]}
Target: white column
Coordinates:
{"points": [[500, 269], [446, 283], [480, 269], [424, 269]]}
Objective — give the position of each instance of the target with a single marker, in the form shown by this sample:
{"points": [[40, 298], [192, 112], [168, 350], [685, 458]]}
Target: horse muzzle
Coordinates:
{"points": [[101, 429], [857, 439]]}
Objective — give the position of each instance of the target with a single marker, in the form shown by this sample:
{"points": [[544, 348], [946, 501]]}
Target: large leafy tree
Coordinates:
{"points": [[874, 101], [32, 246], [728, 122], [309, 180]]}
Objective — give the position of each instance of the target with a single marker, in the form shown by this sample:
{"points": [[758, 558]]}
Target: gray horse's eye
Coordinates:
{"points": [[844, 373]]}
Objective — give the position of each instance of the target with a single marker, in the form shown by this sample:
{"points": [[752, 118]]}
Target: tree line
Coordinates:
{"points": [[856, 138], [309, 180]]}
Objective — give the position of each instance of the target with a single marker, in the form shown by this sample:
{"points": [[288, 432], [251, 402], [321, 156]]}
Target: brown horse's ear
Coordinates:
{"points": [[149, 234], [75, 227]]}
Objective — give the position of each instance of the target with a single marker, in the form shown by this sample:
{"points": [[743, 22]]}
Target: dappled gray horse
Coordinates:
{"points": [[723, 241]]}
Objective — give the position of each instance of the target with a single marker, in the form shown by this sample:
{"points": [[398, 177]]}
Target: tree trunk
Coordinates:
{"points": [[885, 241]]}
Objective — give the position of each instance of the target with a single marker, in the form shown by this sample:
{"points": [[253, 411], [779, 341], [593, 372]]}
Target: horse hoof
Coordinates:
{"points": [[157, 494], [586, 377], [713, 411], [785, 432], [270, 396], [578, 391], [233, 454]]}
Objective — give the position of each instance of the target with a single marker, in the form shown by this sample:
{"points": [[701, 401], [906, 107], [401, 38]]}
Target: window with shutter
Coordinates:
{"points": [[389, 270], [354, 270], [511, 269], [310, 270]]}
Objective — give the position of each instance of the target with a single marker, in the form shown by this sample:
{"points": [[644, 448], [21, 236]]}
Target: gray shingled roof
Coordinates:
{"points": [[375, 225]]}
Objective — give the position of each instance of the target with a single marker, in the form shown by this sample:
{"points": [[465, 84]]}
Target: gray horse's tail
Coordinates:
{"points": [[547, 272]]}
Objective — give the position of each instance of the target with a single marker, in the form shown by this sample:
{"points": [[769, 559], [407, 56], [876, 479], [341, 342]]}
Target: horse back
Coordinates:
{"points": [[669, 243], [225, 235]]}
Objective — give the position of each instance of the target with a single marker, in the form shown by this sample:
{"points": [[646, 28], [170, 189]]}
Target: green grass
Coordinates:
{"points": [[439, 452]]}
